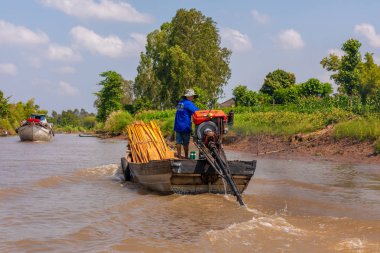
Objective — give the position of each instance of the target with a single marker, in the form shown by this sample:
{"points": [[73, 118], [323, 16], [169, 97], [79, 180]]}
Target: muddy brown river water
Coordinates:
{"points": [[67, 196]]}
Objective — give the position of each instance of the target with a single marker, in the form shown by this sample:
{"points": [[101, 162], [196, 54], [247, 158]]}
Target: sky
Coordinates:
{"points": [[54, 50]]}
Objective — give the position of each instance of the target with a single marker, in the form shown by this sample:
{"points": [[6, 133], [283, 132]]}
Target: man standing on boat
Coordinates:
{"points": [[182, 124]]}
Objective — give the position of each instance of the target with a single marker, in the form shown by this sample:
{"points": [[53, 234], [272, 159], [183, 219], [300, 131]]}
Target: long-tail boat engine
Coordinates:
{"points": [[210, 125]]}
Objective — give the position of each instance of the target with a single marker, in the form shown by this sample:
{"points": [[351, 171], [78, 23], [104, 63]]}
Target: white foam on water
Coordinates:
{"points": [[273, 223], [356, 244], [103, 170], [254, 211]]}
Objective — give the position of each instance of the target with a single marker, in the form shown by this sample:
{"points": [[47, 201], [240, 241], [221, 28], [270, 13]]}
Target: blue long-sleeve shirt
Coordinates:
{"points": [[185, 109]]}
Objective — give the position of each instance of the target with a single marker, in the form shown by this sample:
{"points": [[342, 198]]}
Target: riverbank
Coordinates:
{"points": [[318, 146], [315, 148]]}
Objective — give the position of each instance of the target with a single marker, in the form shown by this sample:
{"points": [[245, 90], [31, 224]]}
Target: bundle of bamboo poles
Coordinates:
{"points": [[146, 142]]}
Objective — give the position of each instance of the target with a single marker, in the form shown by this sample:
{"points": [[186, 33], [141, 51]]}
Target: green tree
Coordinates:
{"points": [[4, 108], [346, 69], [69, 118], [264, 99], [314, 87], [117, 121], [203, 100], [369, 78], [250, 98], [182, 54], [238, 92], [73, 118], [110, 95], [89, 122], [276, 80], [286, 95], [127, 97], [245, 97]]}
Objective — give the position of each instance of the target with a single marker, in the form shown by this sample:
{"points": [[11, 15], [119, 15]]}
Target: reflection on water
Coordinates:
{"points": [[66, 196]]}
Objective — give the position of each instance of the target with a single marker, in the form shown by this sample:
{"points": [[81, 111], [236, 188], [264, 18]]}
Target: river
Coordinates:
{"points": [[67, 196]]}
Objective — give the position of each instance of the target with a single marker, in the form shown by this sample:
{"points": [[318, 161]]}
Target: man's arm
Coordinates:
{"points": [[192, 108]]}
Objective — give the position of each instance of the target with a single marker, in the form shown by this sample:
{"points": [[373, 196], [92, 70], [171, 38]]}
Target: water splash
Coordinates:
{"points": [[352, 244], [99, 171]]}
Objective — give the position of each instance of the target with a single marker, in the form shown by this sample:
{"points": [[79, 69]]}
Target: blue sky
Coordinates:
{"points": [[54, 50]]}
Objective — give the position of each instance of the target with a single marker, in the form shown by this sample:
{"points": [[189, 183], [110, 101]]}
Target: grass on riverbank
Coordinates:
{"points": [[359, 129], [285, 122], [282, 122], [165, 120], [70, 129]]}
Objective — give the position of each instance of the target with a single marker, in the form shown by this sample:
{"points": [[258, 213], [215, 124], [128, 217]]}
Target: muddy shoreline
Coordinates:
{"points": [[325, 148]]}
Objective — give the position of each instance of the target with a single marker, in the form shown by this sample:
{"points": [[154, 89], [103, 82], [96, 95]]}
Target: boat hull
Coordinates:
{"points": [[33, 132], [187, 176]]}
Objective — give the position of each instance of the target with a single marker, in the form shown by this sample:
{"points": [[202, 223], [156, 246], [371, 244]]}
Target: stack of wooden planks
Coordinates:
{"points": [[147, 143]]}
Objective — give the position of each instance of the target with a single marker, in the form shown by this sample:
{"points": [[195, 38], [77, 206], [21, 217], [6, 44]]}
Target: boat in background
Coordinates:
{"points": [[35, 128], [87, 135]]}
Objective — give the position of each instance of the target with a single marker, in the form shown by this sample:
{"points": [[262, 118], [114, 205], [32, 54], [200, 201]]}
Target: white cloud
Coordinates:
{"points": [[67, 89], [235, 40], [290, 39], [20, 35], [35, 62], [66, 70], [259, 17], [135, 45], [111, 46], [370, 33], [336, 51], [105, 9], [8, 69], [61, 53]]}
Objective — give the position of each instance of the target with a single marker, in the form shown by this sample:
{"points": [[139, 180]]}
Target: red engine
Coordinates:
{"points": [[209, 128], [207, 115], [209, 125]]}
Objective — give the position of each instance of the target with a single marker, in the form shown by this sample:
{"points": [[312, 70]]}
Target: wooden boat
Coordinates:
{"points": [[149, 162], [87, 135], [35, 128], [186, 176]]}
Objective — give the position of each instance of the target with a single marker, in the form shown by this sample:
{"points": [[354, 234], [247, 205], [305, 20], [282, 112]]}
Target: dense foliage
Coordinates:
{"points": [[278, 79], [282, 94], [184, 53], [13, 113], [117, 122], [353, 75], [346, 69], [110, 95], [73, 120], [4, 110]]}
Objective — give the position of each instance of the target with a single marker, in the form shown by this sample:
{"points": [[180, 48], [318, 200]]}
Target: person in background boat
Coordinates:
{"points": [[43, 119], [182, 123]]}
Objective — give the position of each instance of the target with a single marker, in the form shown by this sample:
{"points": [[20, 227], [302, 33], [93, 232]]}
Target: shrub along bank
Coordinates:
{"points": [[280, 121]]}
